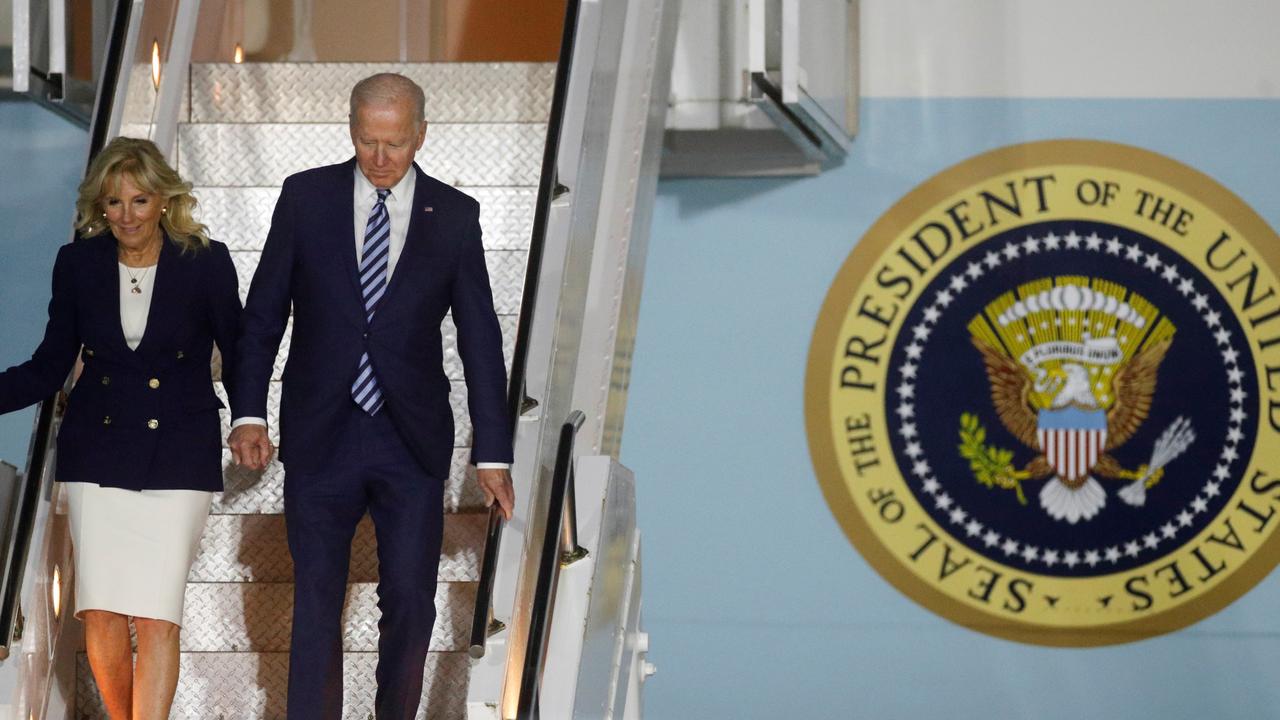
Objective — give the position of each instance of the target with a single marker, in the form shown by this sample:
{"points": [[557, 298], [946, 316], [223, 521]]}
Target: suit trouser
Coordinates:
{"points": [[371, 469]]}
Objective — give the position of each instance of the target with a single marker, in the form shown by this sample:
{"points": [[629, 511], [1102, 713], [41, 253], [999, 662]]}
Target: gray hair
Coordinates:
{"points": [[386, 88]]}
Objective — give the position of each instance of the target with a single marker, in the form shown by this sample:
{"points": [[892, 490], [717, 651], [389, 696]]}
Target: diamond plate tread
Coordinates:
{"points": [[252, 686], [506, 276], [235, 617], [140, 97], [254, 548], [240, 155], [506, 216], [320, 92], [241, 216], [457, 400], [263, 493]]}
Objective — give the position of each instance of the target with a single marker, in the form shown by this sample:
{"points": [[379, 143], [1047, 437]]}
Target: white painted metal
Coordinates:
{"points": [[9, 487], [722, 122], [638, 667], [626, 205], [58, 37], [589, 656], [304, 49], [32, 658], [602, 158], [575, 591], [174, 78], [1162, 49], [829, 78], [21, 45], [124, 84], [403, 35], [528, 471], [790, 29], [581, 161], [756, 29]]}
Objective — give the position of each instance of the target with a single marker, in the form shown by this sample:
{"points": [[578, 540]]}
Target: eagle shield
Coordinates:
{"points": [[1072, 440]]}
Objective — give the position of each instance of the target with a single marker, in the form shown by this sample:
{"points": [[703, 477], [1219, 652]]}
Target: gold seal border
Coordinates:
{"points": [[861, 262]]}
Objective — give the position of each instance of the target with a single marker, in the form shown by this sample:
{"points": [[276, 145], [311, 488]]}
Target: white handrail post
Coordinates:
{"points": [[21, 45], [121, 92], [57, 38], [172, 79]]}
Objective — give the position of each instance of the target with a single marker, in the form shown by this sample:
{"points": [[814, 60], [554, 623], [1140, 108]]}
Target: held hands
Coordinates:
{"points": [[250, 446], [496, 484]]}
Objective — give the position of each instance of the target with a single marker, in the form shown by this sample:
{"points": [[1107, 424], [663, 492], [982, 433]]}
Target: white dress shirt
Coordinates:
{"points": [[399, 207], [399, 204]]}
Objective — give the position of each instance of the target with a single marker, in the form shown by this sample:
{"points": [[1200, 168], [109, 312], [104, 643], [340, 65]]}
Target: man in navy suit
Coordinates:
{"points": [[371, 254]]}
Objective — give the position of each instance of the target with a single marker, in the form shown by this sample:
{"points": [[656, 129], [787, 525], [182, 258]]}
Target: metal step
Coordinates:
{"points": [[241, 216], [263, 493], [239, 155], [253, 548], [256, 617], [320, 92], [245, 685]]}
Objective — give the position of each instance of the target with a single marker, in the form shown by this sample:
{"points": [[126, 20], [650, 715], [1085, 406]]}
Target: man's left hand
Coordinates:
{"points": [[496, 484]]}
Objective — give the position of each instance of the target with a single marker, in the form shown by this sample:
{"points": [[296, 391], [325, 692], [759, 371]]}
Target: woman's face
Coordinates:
{"points": [[134, 215]]}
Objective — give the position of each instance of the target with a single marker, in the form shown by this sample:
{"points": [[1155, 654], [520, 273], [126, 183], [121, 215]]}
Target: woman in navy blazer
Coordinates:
{"points": [[140, 299]]}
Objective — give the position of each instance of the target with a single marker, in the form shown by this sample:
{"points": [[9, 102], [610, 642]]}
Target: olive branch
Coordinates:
{"points": [[992, 466]]}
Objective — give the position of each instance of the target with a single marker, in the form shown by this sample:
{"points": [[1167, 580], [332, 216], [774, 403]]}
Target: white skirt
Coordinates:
{"points": [[133, 550]]}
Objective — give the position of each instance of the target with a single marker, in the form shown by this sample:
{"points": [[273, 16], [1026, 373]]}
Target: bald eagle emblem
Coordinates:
{"points": [[1073, 364]]}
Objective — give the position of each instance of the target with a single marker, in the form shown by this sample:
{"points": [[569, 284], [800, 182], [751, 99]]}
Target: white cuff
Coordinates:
{"points": [[248, 421], [493, 466]]}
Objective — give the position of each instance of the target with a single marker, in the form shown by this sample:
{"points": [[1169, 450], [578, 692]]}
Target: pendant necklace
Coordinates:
{"points": [[136, 289], [135, 279]]}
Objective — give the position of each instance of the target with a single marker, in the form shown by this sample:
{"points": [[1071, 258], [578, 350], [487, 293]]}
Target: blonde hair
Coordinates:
{"points": [[141, 162]]}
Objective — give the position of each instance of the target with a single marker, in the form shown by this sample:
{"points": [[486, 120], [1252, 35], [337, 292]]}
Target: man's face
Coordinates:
{"points": [[386, 136]]}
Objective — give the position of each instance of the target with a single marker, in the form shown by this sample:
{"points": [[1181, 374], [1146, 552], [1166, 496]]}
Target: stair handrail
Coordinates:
{"points": [[42, 439], [559, 549], [483, 623]]}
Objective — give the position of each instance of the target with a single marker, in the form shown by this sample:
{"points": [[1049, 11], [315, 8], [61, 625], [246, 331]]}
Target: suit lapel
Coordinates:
{"points": [[417, 238], [164, 296], [108, 268], [344, 212]]}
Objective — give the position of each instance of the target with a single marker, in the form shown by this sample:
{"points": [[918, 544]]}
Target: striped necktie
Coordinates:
{"points": [[373, 285]]}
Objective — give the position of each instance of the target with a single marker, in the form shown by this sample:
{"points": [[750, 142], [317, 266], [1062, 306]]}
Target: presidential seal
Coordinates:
{"points": [[1043, 394]]}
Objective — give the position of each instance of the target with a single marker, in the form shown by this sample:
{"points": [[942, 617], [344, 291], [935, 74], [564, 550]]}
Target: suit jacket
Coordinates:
{"points": [[309, 260], [145, 418]]}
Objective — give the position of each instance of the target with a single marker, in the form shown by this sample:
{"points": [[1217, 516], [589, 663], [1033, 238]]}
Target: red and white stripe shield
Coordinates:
{"points": [[1072, 440]]}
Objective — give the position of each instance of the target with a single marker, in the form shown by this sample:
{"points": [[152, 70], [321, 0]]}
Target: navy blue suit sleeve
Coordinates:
{"points": [[46, 371], [266, 312], [224, 312], [480, 345]]}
